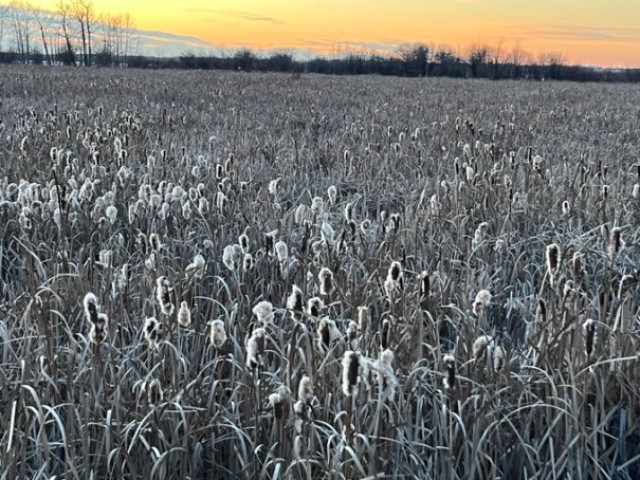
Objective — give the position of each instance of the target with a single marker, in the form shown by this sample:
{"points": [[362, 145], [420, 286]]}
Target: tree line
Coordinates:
{"points": [[75, 33], [408, 61]]}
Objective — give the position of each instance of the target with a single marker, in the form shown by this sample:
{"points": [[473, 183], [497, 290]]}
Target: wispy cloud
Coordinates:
{"points": [[578, 33], [253, 17]]}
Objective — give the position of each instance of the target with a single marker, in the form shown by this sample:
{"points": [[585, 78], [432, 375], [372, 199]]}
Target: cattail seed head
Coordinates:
{"points": [[163, 295], [325, 281], [350, 372], [154, 242], [305, 390], [315, 306], [576, 264], [217, 333], [449, 362], [424, 284], [625, 282], [247, 262], [196, 267], [91, 308], [255, 348], [482, 300], [295, 303], [385, 332], [553, 261], [332, 193], [282, 251], [278, 403], [566, 208], [184, 315], [270, 242], [154, 392], [636, 191], [327, 333], [589, 327], [243, 241], [363, 318], [151, 331], [264, 311], [480, 345], [615, 243], [499, 358]]}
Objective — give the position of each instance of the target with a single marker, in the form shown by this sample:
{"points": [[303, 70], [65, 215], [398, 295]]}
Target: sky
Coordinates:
{"points": [[590, 32]]}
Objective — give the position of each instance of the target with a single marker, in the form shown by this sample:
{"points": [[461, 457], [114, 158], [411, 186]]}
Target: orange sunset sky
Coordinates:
{"points": [[593, 32]]}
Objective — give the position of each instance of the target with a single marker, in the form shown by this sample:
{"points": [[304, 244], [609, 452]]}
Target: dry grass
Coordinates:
{"points": [[113, 183]]}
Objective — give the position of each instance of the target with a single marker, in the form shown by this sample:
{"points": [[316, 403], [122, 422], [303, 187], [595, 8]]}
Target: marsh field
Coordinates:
{"points": [[230, 276]]}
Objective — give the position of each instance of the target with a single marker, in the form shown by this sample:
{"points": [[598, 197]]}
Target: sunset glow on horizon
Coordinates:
{"points": [[590, 32]]}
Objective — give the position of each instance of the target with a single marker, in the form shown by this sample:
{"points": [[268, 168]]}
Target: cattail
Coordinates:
{"points": [[479, 347], [273, 186], [365, 225], [300, 411], [111, 214], [351, 335], [186, 211], [327, 333], [305, 390], [395, 222], [196, 267], [500, 246], [332, 193], [605, 192], [568, 290], [91, 308], [300, 214], [636, 191], [154, 242], [264, 311], [363, 318], [203, 206], [229, 257], [350, 372], [479, 235], [541, 311], [255, 348], [589, 327], [295, 303], [348, 212], [221, 200], [499, 358], [317, 206], [576, 263], [163, 295], [616, 243], [151, 331], [449, 362], [625, 283], [243, 241], [483, 299], [566, 208], [282, 251], [386, 376], [217, 333], [98, 331], [315, 306], [184, 315], [325, 280], [385, 331], [424, 284], [270, 241], [247, 262], [278, 403], [553, 262], [154, 392], [395, 272]]}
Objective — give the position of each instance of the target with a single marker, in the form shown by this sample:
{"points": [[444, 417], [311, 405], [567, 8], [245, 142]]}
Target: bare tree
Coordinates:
{"points": [[43, 21], [64, 13], [4, 15], [21, 28], [84, 14]]}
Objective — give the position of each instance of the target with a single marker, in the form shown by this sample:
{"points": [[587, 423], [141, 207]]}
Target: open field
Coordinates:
{"points": [[450, 268]]}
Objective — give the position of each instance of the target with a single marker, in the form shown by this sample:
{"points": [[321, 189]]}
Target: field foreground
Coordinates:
{"points": [[263, 276]]}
